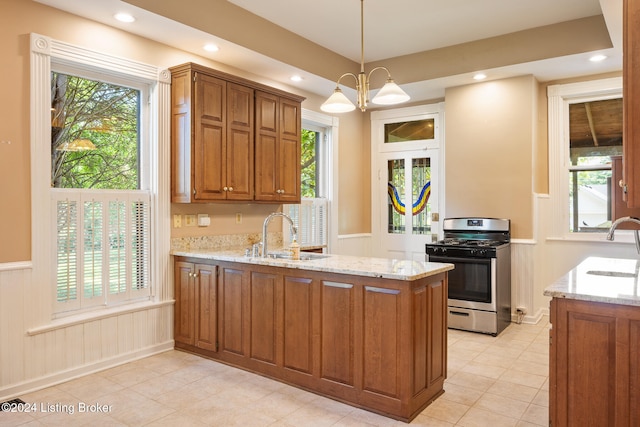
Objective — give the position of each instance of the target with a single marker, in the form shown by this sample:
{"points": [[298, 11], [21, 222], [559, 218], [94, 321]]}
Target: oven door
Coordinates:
{"points": [[472, 284]]}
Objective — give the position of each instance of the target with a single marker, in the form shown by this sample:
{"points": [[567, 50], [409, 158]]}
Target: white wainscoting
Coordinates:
{"points": [[523, 281], [353, 244], [30, 361]]}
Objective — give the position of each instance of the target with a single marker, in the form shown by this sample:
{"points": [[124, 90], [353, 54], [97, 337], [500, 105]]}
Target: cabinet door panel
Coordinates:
{"points": [[231, 311], [337, 332], [209, 152], [266, 113], [298, 333], [266, 169], [289, 152], [631, 100], [181, 138], [289, 170], [184, 317], [634, 372], [240, 139], [591, 342], [206, 307], [263, 322], [382, 332]]}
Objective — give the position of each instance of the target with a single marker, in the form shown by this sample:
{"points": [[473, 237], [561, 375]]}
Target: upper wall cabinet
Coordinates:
{"points": [[277, 149], [631, 101], [215, 149]]}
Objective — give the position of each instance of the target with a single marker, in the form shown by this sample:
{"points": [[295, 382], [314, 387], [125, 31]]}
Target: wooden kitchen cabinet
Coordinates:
{"points": [[619, 206], [214, 138], [376, 343], [195, 315], [594, 368], [211, 139], [278, 123], [631, 100]]}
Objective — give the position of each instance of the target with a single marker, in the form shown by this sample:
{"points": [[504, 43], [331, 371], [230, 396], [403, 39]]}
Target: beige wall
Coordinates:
{"points": [[489, 140], [15, 217]]}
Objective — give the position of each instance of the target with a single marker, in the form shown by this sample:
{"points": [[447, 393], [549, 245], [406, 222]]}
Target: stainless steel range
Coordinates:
{"points": [[480, 284]]}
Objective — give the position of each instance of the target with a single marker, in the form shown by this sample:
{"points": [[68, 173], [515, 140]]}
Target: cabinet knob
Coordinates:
{"points": [[225, 188], [230, 188]]}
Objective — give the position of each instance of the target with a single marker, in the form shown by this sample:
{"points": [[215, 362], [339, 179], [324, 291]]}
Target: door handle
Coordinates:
{"points": [[458, 313]]}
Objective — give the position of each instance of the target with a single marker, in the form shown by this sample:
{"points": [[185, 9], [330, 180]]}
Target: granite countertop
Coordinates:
{"points": [[342, 264], [608, 280]]}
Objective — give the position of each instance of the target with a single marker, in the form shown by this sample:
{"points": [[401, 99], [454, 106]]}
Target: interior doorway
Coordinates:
{"points": [[406, 181]]}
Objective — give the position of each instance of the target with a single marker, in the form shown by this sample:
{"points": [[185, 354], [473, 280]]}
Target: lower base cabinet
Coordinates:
{"points": [[378, 344], [594, 368], [195, 314]]}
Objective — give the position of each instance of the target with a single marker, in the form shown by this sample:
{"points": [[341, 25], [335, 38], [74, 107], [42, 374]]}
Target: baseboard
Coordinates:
{"points": [[531, 319], [25, 387]]}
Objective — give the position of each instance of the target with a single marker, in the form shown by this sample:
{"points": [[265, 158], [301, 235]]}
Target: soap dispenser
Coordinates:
{"points": [[294, 247]]}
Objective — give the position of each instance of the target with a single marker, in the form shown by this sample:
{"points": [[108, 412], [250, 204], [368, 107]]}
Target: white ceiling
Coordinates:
{"points": [[410, 26], [399, 27]]}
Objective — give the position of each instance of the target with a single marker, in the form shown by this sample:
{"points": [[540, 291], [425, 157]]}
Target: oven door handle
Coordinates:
{"points": [[453, 260], [458, 313]]}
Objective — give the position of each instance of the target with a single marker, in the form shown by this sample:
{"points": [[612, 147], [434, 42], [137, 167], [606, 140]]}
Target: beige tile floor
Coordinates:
{"points": [[492, 381]]}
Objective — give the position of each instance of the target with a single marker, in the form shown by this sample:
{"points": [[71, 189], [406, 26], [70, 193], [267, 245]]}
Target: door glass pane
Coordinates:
{"points": [[395, 189], [420, 192], [416, 130]]}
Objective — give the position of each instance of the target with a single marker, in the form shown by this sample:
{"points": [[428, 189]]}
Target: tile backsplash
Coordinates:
{"points": [[225, 241]]}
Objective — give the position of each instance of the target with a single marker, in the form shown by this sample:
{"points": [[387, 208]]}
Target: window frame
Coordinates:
{"points": [[47, 53], [559, 99], [328, 166]]}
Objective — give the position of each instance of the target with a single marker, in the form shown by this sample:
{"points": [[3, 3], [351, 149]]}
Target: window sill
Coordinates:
{"points": [[621, 236], [93, 316]]}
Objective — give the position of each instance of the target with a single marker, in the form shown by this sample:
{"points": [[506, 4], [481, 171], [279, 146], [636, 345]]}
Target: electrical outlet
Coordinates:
{"points": [[189, 220], [177, 221], [238, 218]]}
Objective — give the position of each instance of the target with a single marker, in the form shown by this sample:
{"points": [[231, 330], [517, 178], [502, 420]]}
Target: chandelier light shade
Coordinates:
{"points": [[390, 93]]}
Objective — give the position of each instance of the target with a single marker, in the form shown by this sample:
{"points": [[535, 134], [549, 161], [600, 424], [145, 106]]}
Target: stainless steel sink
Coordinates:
{"points": [[612, 273]]}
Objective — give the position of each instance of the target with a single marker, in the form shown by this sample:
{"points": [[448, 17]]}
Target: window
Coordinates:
{"points": [[311, 216], [102, 214], [595, 134], [585, 131], [99, 138]]}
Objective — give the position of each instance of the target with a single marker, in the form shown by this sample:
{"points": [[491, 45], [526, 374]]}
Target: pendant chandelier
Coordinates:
{"points": [[390, 93]]}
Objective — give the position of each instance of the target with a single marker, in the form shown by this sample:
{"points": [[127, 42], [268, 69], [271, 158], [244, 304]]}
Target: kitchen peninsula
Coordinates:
{"points": [[594, 368], [369, 332]]}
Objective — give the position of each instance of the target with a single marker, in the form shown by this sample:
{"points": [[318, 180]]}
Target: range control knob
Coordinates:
{"points": [[478, 252]]}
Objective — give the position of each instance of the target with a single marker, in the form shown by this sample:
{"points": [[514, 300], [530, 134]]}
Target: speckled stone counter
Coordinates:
{"points": [[608, 280], [360, 266]]}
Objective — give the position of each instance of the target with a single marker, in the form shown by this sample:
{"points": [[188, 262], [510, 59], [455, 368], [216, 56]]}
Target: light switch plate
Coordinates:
{"points": [[189, 220]]}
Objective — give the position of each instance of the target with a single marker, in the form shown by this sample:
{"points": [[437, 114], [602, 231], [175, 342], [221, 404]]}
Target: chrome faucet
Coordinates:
{"points": [[619, 221], [268, 219]]}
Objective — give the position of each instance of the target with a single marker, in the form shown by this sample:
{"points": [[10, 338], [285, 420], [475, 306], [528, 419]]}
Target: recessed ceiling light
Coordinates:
{"points": [[296, 78], [124, 17], [210, 47], [479, 76], [597, 58]]}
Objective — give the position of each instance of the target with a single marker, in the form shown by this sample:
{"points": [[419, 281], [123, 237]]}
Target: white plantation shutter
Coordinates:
{"points": [[102, 247], [310, 216]]}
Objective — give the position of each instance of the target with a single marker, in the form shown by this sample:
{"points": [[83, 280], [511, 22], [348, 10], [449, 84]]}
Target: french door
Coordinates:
{"points": [[406, 181], [408, 215]]}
